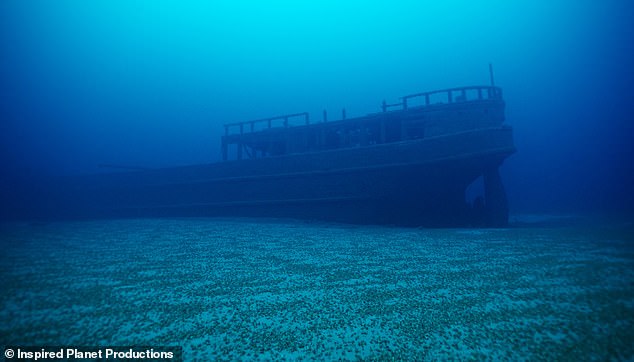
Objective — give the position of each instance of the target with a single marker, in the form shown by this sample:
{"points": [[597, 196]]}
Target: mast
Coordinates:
{"points": [[491, 75]]}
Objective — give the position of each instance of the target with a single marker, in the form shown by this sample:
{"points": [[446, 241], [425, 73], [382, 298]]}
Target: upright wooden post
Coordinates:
{"points": [[240, 141], [491, 75]]}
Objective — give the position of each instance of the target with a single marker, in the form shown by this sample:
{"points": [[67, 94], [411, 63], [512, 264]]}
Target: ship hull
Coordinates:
{"points": [[416, 182]]}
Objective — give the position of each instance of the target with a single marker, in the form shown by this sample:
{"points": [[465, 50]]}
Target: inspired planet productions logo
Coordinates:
{"points": [[128, 353]]}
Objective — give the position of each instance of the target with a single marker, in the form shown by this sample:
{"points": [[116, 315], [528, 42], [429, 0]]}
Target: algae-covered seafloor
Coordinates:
{"points": [[245, 289]]}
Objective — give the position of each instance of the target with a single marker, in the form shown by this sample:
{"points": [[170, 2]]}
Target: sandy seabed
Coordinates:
{"points": [[241, 289]]}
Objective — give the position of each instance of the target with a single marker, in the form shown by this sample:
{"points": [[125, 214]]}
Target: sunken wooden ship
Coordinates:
{"points": [[408, 164]]}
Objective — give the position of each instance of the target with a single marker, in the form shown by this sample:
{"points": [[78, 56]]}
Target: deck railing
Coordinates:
{"points": [[268, 121], [444, 96], [412, 101], [451, 95]]}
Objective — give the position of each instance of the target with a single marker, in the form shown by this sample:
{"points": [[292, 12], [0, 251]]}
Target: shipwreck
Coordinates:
{"points": [[409, 163]]}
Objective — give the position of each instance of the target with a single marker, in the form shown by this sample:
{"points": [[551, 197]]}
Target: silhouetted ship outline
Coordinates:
{"points": [[408, 164]]}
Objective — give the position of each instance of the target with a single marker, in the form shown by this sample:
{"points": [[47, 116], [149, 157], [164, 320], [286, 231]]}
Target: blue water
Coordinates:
{"points": [[237, 289]]}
